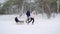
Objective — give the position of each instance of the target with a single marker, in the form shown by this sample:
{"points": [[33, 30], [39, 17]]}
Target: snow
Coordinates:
{"points": [[42, 25]]}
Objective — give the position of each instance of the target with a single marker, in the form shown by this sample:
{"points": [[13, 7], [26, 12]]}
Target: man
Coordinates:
{"points": [[29, 19], [28, 14]]}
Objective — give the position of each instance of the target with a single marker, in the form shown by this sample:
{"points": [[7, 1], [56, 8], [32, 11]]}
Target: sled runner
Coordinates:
{"points": [[30, 20], [18, 21], [27, 21]]}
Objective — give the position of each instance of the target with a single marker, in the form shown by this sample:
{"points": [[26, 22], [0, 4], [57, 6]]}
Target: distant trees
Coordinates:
{"points": [[49, 6], [16, 6], [8, 5]]}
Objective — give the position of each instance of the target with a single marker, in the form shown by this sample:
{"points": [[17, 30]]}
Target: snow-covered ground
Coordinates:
{"points": [[42, 25]]}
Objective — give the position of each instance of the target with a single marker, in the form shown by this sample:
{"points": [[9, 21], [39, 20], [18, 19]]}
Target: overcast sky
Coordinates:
{"points": [[2, 1]]}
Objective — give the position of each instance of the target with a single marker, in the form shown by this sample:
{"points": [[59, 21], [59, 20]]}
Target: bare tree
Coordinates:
{"points": [[57, 6]]}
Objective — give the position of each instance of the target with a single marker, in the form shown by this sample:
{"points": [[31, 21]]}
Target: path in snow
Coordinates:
{"points": [[41, 25]]}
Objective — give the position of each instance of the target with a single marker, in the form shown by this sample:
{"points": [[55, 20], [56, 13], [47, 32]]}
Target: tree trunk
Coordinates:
{"points": [[57, 6]]}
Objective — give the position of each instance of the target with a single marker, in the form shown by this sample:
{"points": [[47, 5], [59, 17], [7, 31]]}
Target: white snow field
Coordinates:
{"points": [[42, 25]]}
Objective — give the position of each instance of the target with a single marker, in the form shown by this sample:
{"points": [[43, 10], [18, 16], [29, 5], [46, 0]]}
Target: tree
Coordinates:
{"points": [[46, 5], [10, 3], [57, 6]]}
